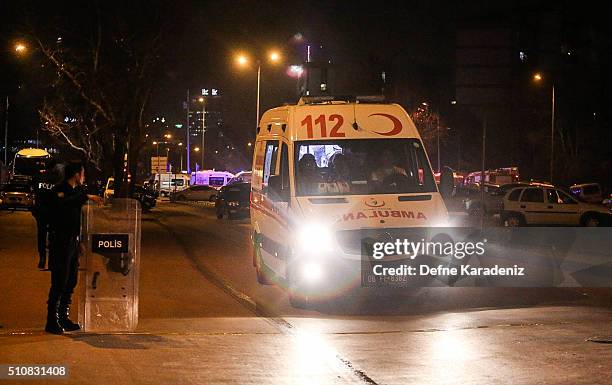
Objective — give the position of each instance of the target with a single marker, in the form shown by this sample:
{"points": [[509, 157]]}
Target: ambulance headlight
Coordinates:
{"points": [[313, 237], [312, 272]]}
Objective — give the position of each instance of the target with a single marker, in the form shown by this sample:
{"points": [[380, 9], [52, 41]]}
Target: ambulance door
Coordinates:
{"points": [[271, 220], [283, 209]]}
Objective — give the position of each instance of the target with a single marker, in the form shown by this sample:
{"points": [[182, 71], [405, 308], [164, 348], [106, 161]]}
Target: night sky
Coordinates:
{"points": [[414, 42]]}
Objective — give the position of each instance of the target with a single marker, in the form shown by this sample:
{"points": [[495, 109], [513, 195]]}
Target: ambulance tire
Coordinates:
{"points": [[296, 300], [299, 302], [262, 271]]}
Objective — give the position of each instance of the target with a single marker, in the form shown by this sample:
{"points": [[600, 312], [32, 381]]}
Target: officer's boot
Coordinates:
{"points": [[42, 262], [53, 326], [64, 321]]}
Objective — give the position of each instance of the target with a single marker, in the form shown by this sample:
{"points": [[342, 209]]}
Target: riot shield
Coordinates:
{"points": [[110, 266]]}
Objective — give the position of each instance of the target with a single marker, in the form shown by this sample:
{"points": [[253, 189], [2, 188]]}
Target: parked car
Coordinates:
{"points": [[146, 195], [233, 200], [588, 192], [542, 205], [493, 199], [16, 196], [195, 193]]}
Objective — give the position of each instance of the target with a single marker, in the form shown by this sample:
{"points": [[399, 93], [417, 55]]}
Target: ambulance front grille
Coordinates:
{"points": [[351, 241]]}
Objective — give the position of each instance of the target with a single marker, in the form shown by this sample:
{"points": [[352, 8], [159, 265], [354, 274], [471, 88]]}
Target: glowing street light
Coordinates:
{"points": [[242, 60], [538, 78], [20, 48], [196, 149], [296, 70], [274, 56]]}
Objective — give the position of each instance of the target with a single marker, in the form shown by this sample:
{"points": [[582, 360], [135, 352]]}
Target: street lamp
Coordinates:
{"points": [[20, 49], [538, 77], [242, 60], [202, 100], [156, 144], [181, 152]]}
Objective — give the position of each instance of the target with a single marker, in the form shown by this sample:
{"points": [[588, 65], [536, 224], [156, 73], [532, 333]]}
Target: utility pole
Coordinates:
{"points": [[258, 90], [438, 139], [188, 146], [552, 135], [203, 130], [6, 127], [482, 169]]}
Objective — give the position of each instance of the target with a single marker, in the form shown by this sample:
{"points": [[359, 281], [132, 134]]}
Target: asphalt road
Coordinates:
{"points": [[204, 319]]}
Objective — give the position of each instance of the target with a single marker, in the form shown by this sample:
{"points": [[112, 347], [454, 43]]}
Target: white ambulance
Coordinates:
{"points": [[327, 174]]}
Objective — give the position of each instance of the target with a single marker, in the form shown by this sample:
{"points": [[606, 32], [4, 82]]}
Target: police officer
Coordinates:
{"points": [[42, 206], [65, 224]]}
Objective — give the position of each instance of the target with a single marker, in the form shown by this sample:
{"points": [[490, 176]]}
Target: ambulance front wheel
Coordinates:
{"points": [[263, 273], [299, 302], [297, 298]]}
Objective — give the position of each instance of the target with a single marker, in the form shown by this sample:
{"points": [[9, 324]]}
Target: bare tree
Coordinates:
{"points": [[430, 126], [103, 75]]}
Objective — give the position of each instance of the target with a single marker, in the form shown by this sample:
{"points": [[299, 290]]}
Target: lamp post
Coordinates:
{"points": [[167, 157], [156, 144], [188, 139], [6, 127], [181, 153], [242, 60], [537, 77], [20, 49], [203, 101]]}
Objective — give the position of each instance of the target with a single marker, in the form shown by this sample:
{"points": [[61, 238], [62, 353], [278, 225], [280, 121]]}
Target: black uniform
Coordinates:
{"points": [[41, 212], [65, 226]]}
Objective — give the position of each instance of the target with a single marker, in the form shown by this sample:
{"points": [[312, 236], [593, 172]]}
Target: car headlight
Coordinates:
{"points": [[315, 237], [233, 204]]}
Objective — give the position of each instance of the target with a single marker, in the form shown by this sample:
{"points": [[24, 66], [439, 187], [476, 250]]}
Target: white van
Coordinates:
{"points": [[212, 178], [326, 174], [168, 183]]}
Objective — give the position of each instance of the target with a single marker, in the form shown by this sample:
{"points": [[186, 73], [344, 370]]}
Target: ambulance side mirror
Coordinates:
{"points": [[447, 183], [275, 189]]}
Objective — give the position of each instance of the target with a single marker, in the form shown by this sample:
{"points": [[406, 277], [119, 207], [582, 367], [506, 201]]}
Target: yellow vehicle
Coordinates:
{"points": [[326, 174]]}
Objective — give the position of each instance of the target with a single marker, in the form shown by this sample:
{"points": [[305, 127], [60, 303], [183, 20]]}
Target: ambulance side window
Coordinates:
{"points": [[258, 162], [270, 160], [284, 166]]}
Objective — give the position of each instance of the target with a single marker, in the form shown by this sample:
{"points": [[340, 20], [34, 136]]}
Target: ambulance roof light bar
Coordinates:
{"points": [[307, 100]]}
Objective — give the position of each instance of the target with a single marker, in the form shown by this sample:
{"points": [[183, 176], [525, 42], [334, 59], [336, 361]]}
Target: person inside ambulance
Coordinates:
{"points": [[388, 177], [309, 176], [339, 180]]}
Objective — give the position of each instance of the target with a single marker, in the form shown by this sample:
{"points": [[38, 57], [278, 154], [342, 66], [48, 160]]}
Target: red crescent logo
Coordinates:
{"points": [[397, 125], [373, 202]]}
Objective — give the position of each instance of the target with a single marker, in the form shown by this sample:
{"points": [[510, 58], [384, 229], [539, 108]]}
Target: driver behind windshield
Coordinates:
{"points": [[339, 180], [386, 168]]}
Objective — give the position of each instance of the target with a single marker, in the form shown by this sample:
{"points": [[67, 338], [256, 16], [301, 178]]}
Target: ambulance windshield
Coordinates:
{"points": [[362, 166]]}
